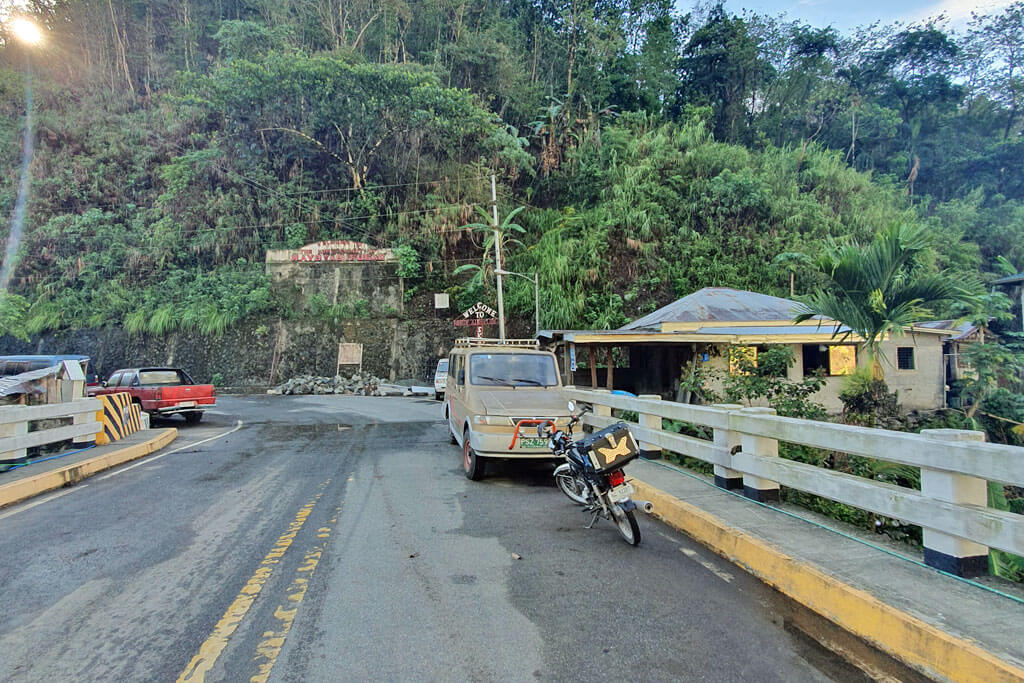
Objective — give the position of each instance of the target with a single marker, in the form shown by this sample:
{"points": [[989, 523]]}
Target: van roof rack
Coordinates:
{"points": [[466, 342]]}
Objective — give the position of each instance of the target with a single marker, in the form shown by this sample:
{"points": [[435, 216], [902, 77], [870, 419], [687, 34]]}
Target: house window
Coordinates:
{"points": [[833, 361], [741, 358], [905, 358]]}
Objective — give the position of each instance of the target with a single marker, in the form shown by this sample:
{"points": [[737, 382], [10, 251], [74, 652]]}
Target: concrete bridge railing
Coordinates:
{"points": [[955, 465], [16, 435]]}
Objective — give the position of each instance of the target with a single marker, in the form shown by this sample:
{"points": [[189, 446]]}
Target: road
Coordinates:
{"points": [[335, 538]]}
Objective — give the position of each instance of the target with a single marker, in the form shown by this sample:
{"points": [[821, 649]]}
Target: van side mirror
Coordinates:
{"points": [[103, 383]]}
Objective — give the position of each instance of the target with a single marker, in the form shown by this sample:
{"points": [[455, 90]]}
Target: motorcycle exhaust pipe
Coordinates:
{"points": [[644, 505]]}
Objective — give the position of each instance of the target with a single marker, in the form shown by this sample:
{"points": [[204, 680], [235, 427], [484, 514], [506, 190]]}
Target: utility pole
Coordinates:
{"points": [[497, 259]]}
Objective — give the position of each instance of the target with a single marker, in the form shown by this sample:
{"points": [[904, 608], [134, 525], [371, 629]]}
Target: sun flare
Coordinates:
{"points": [[26, 31]]}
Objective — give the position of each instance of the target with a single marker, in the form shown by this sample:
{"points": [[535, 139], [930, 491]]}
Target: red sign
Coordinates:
{"points": [[341, 250], [473, 322]]}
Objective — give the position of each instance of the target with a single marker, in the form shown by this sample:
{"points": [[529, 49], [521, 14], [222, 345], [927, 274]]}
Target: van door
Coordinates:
{"points": [[457, 393]]}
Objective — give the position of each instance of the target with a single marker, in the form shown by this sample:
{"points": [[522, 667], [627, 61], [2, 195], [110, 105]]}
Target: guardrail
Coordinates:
{"points": [[956, 465], [15, 437]]}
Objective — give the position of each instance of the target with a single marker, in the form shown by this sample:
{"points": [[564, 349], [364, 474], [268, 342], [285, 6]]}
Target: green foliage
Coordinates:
{"points": [[761, 380], [408, 261], [333, 314], [879, 289], [12, 311]]}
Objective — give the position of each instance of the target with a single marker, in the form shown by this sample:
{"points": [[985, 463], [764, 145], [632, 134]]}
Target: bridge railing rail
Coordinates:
{"points": [[951, 505], [19, 430]]}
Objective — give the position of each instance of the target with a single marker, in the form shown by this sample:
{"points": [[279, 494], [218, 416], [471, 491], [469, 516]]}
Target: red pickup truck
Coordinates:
{"points": [[162, 391]]}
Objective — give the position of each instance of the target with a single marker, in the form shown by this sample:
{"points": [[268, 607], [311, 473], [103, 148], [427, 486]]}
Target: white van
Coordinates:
{"points": [[440, 379]]}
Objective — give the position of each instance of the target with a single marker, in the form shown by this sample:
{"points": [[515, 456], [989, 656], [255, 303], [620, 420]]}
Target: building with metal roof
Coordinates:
{"points": [[652, 353]]}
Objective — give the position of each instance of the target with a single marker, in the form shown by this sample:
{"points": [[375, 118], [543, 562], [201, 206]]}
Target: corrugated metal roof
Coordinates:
{"points": [[1009, 279], [780, 330], [720, 304], [18, 384], [963, 329]]}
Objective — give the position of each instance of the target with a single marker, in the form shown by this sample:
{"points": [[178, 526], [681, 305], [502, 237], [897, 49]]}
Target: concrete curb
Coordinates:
{"points": [[17, 491], [891, 630]]}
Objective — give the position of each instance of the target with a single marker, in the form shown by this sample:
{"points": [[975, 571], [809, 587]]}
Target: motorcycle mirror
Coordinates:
{"points": [[572, 406]]}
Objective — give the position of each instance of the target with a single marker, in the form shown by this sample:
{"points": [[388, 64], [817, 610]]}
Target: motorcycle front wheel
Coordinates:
{"points": [[572, 487], [625, 521]]}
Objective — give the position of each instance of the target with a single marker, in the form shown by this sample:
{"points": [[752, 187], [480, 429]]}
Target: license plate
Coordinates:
{"points": [[621, 493], [187, 404], [533, 443]]}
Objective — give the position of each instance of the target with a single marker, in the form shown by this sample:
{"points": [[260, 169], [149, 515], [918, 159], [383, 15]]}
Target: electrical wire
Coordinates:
{"points": [[52, 457], [841, 533]]}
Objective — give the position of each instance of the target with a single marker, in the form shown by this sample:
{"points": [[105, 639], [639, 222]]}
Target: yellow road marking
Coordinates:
{"points": [[215, 644], [270, 647]]}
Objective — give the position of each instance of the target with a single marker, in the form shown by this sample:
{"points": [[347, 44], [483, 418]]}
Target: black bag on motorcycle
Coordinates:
{"points": [[610, 448]]}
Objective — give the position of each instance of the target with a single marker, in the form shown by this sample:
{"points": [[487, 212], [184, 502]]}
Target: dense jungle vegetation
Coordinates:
{"points": [[655, 151]]}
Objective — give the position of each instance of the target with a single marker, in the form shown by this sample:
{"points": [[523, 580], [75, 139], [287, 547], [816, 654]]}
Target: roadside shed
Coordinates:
{"points": [[711, 326]]}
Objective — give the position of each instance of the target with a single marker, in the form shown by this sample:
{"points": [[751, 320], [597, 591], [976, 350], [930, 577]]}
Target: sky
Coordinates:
{"points": [[845, 15]]}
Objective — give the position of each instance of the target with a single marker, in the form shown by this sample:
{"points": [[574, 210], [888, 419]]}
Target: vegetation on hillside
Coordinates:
{"points": [[654, 151]]}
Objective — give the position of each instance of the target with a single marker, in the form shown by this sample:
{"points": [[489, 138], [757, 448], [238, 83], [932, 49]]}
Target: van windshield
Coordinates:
{"points": [[442, 365], [512, 370]]}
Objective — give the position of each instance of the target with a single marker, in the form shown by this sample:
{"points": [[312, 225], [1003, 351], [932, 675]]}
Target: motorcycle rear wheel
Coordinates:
{"points": [[573, 488], [625, 521]]}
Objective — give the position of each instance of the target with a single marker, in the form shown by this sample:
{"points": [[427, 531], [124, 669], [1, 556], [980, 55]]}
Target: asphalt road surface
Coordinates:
{"points": [[335, 538]]}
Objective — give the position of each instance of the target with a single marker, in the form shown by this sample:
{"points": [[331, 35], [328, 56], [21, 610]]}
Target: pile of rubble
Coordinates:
{"points": [[363, 384]]}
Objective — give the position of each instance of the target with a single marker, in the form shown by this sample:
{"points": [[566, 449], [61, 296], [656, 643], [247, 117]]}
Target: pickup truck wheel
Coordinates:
{"points": [[193, 417], [472, 463]]}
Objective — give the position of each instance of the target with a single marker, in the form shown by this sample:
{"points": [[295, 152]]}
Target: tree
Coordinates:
{"points": [[879, 289], [484, 271], [791, 261], [721, 67]]}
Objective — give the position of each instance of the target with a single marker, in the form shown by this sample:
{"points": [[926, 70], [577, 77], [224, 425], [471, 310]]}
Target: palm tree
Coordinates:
{"points": [[879, 289], [791, 261]]}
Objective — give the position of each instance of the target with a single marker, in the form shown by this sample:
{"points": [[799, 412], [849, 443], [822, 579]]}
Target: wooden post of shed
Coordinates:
{"points": [[611, 369], [593, 367]]}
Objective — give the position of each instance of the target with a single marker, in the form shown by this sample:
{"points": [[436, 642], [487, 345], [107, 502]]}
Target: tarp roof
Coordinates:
{"points": [[720, 304]]}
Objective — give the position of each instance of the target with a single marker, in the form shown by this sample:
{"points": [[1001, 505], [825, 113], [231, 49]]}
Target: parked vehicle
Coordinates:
{"points": [[15, 365], [592, 474], [161, 391], [440, 379], [497, 394]]}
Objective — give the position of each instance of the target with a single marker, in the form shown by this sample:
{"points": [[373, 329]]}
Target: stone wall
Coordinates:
{"points": [[378, 285], [261, 352]]}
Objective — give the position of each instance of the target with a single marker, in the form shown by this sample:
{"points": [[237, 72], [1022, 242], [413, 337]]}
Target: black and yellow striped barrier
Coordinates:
{"points": [[119, 417]]}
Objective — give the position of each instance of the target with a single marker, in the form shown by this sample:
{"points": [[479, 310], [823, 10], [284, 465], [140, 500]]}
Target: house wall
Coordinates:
{"points": [[920, 389], [923, 388]]}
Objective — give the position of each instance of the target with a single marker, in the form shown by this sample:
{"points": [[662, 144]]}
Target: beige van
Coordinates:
{"points": [[496, 395]]}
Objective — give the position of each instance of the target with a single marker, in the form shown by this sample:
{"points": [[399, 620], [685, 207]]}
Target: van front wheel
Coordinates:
{"points": [[472, 463]]}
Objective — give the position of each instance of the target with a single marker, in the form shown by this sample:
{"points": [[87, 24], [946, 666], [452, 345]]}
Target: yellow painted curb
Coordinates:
{"points": [[17, 491], [891, 630]]}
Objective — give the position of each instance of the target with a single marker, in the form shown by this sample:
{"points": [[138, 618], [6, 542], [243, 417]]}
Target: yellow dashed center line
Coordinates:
{"points": [[215, 644], [270, 647]]}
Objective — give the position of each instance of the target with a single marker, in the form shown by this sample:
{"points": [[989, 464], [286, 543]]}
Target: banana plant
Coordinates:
{"points": [[483, 272]]}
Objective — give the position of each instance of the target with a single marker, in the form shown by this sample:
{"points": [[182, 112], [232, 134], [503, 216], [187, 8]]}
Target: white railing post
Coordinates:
{"points": [[84, 418], [649, 451], [942, 551], [756, 488], [14, 429], [600, 409], [726, 477]]}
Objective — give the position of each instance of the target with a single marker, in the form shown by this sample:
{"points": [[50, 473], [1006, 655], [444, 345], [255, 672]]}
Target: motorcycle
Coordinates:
{"points": [[592, 474]]}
